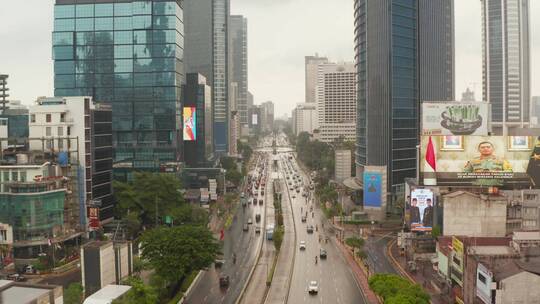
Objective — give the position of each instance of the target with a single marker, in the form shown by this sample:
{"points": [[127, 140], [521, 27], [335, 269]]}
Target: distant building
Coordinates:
{"points": [[4, 93], [239, 62], [506, 62], [336, 101], [304, 118], [468, 95], [234, 118], [267, 113], [311, 70], [343, 161], [255, 123], [535, 110], [198, 150], [6, 240]]}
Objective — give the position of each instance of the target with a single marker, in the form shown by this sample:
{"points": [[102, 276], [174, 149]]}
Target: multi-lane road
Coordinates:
{"points": [[243, 244], [336, 282]]}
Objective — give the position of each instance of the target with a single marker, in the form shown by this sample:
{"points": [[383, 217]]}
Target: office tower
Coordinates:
{"points": [[3, 92], [436, 56], [506, 64], [197, 102], [267, 116], [16, 115], [206, 52], [239, 62], [250, 99], [311, 67], [254, 114], [336, 101], [234, 119], [128, 54], [391, 78]]}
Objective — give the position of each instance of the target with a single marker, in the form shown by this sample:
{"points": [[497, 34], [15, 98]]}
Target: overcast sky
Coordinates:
{"points": [[280, 34]]}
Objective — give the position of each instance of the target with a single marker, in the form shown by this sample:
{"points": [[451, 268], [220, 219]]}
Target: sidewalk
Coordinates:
{"points": [[423, 278], [359, 274]]}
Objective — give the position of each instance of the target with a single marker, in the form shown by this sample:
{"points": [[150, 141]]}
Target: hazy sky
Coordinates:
{"points": [[280, 34]]}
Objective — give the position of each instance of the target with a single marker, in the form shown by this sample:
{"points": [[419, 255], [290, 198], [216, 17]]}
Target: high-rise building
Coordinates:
{"points": [[234, 119], [267, 116], [250, 100], [197, 102], [506, 64], [336, 101], [206, 52], [129, 54], [311, 66], [3, 92], [393, 80], [239, 62]]}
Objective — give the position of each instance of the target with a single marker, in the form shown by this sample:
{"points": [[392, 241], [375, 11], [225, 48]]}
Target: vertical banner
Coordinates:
{"points": [[421, 210], [93, 218], [372, 189], [190, 124]]}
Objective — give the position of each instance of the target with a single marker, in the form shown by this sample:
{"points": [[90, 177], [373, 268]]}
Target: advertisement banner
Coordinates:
{"points": [[421, 210], [93, 218], [484, 278], [457, 246], [190, 124], [372, 189], [503, 161], [455, 118]]}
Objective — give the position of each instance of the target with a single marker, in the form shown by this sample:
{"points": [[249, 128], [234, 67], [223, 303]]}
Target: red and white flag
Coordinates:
{"points": [[430, 166]]}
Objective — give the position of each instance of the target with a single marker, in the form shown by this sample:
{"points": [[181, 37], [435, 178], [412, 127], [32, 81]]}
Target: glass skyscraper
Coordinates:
{"points": [[128, 54], [393, 80]]}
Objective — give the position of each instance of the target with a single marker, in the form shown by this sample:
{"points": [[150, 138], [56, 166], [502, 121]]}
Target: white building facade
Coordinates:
{"points": [[304, 118], [336, 101]]}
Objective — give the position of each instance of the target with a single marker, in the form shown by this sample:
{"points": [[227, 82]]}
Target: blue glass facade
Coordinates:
{"points": [[130, 55]]}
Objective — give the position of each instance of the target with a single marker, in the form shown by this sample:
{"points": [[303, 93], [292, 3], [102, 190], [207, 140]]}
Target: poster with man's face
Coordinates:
{"points": [[421, 210]]}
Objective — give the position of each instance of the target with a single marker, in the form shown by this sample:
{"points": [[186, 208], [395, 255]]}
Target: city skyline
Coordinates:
{"points": [[267, 45]]}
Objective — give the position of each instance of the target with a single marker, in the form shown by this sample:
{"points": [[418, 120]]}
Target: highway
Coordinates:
{"points": [[245, 245], [336, 282]]}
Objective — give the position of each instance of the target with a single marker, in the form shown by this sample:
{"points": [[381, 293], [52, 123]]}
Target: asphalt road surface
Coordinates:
{"points": [[245, 245], [336, 282]]}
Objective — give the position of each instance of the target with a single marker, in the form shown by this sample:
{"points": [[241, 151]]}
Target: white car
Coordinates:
{"points": [[313, 287], [302, 245]]}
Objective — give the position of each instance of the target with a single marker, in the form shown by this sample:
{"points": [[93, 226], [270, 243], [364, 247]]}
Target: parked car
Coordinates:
{"points": [[16, 277], [313, 287]]}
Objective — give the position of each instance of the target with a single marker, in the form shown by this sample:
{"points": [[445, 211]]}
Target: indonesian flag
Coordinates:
{"points": [[430, 166], [222, 235]]}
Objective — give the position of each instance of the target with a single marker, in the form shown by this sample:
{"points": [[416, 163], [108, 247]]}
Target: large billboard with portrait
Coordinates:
{"points": [[502, 161], [372, 190], [455, 118], [421, 210], [190, 123]]}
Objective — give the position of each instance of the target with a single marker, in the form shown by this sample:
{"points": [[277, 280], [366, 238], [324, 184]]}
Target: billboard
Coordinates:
{"points": [[254, 119], [372, 189], [421, 210], [190, 123], [484, 278], [93, 218], [455, 118], [502, 161]]}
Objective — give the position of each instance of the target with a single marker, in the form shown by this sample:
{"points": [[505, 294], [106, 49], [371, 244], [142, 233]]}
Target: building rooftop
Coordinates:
{"points": [[526, 236], [107, 294], [12, 292], [491, 250]]}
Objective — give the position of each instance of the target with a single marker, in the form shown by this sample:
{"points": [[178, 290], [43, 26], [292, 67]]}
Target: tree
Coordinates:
{"points": [[397, 290], [73, 294], [175, 252], [278, 237], [139, 293], [355, 243], [147, 194]]}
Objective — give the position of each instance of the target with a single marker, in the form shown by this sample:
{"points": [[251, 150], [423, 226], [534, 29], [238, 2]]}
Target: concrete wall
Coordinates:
{"points": [[519, 289], [471, 215]]}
